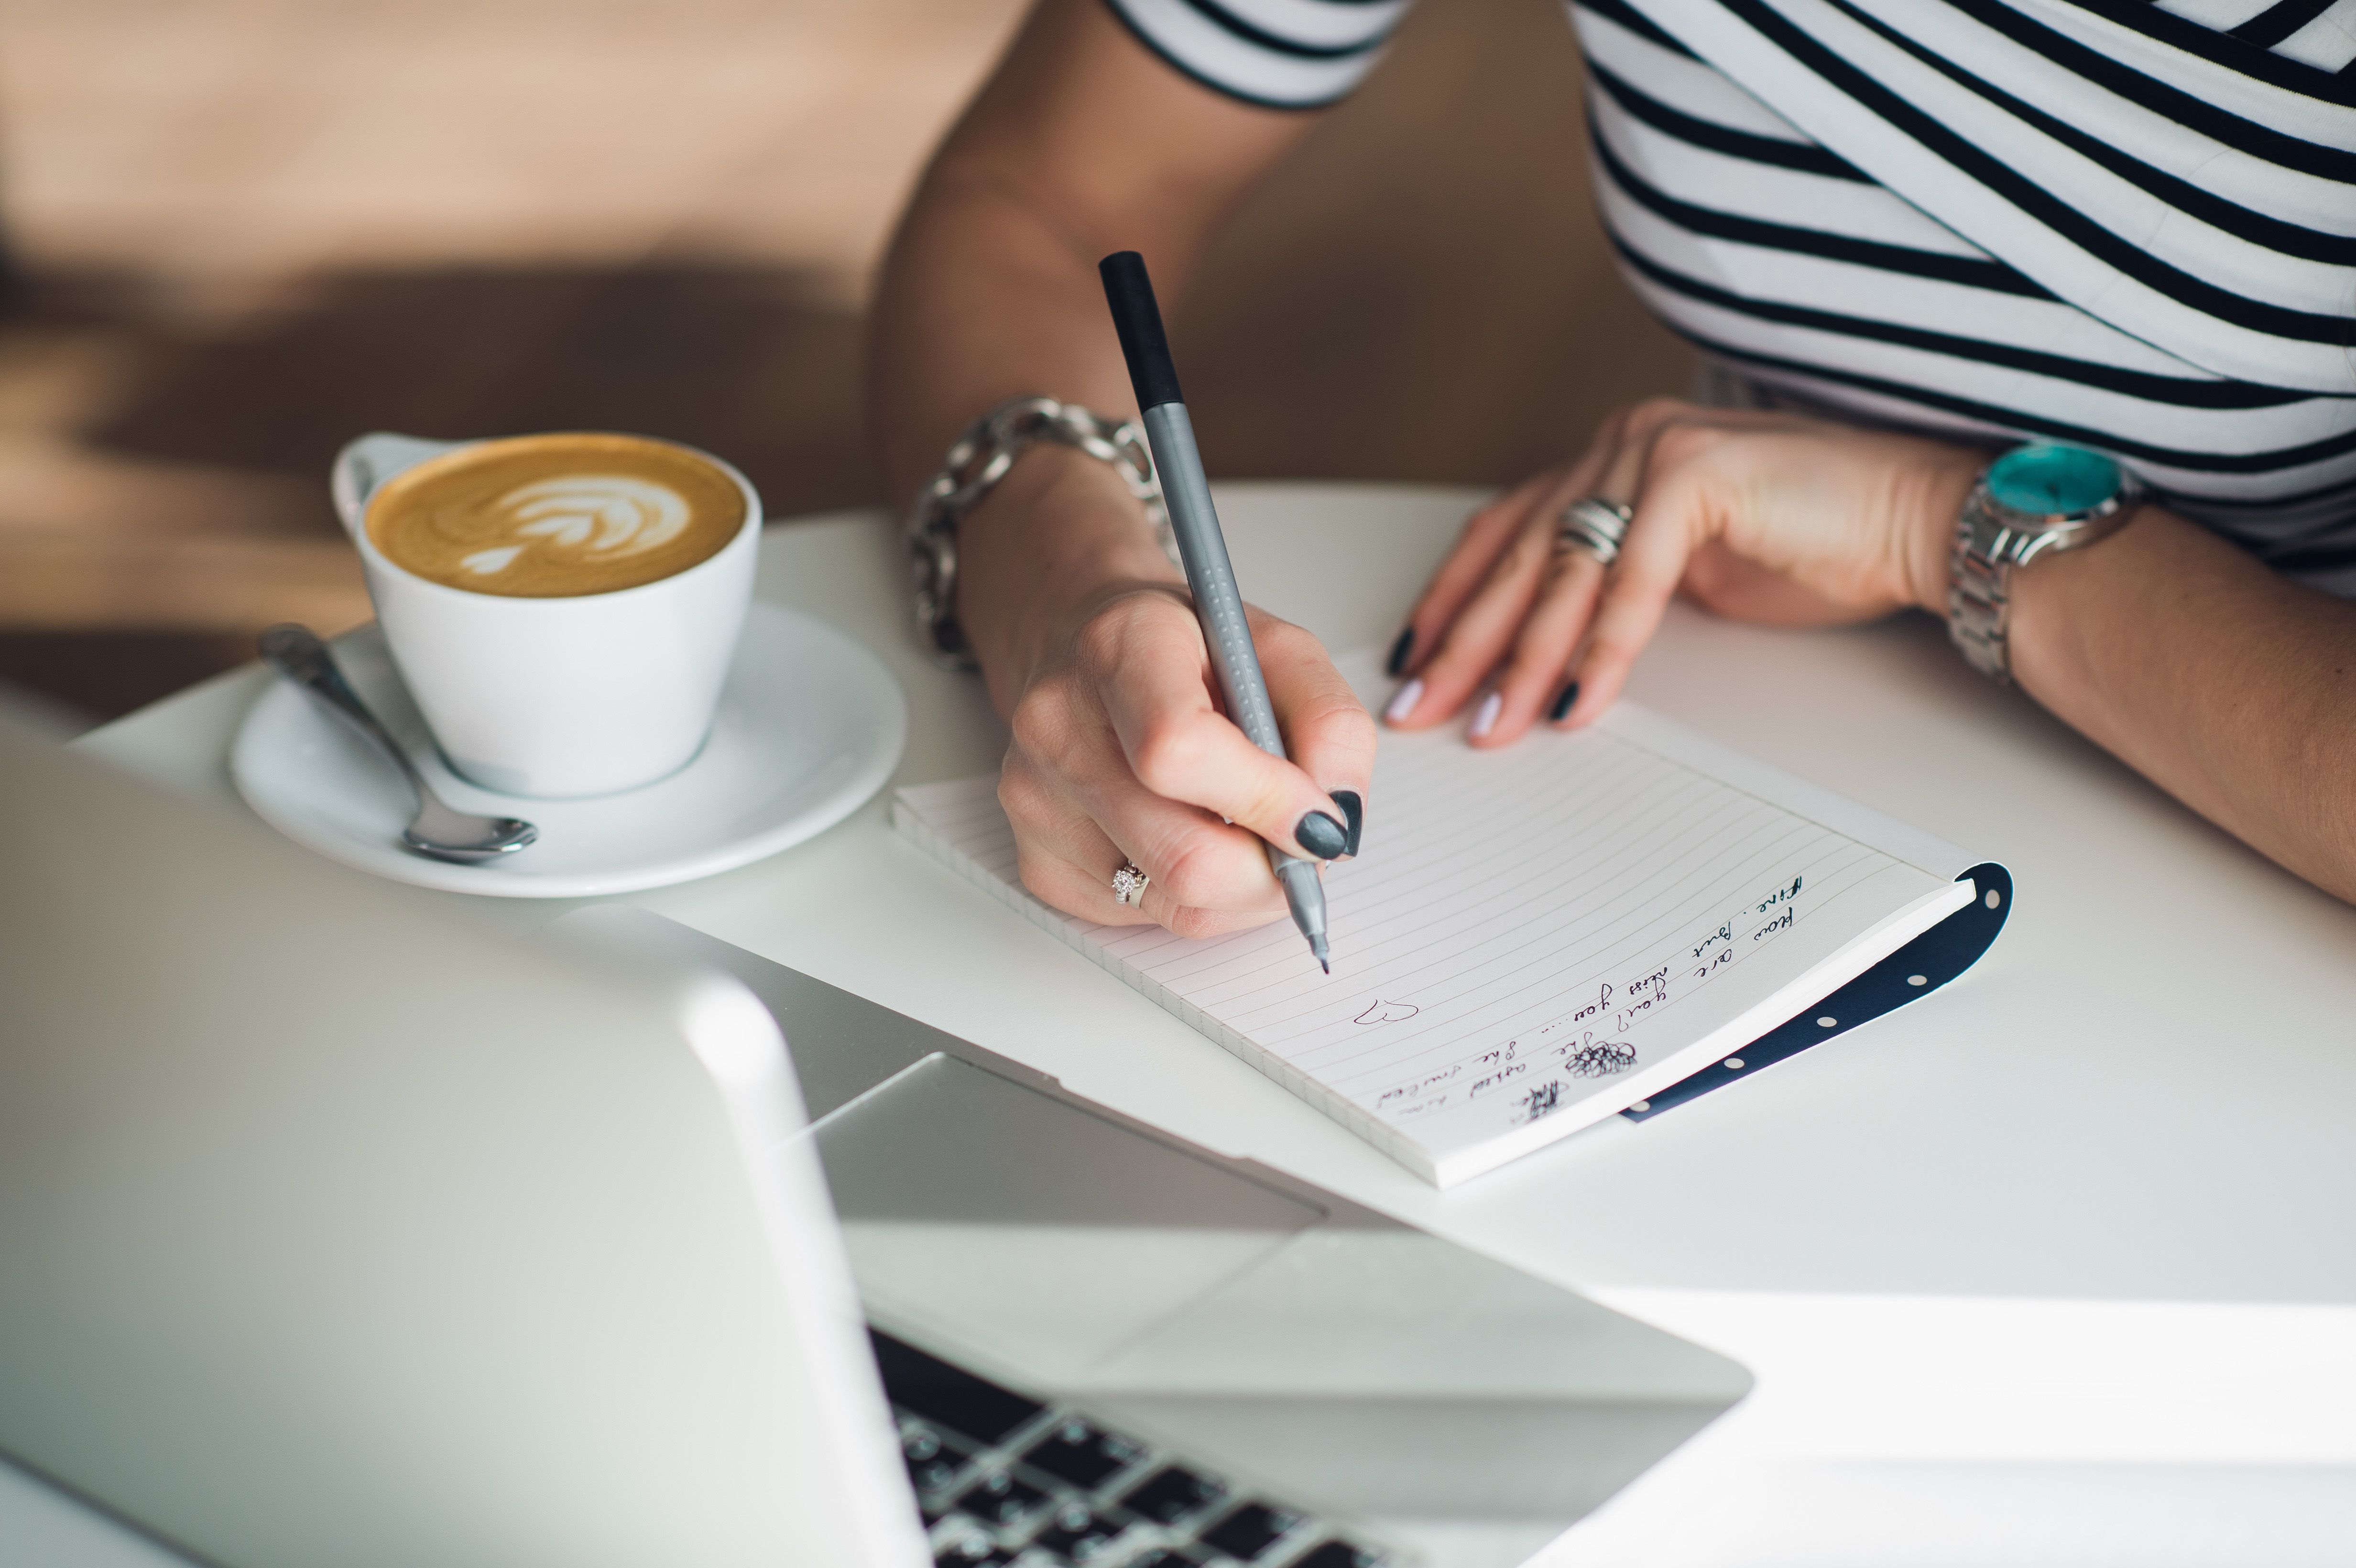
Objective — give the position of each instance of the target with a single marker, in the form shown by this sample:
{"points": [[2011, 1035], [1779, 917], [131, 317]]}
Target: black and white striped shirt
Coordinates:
{"points": [[2124, 223]]}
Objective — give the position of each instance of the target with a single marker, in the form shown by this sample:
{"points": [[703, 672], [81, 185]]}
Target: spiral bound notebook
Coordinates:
{"points": [[1531, 939]]}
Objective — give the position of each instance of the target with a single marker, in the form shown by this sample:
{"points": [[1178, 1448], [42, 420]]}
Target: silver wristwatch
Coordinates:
{"points": [[2032, 501], [973, 467]]}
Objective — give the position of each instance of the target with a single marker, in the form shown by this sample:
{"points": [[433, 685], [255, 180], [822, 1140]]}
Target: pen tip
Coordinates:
{"points": [[1325, 965]]}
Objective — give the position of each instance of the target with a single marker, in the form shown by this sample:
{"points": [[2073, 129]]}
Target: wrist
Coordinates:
{"points": [[1056, 537], [1942, 485]]}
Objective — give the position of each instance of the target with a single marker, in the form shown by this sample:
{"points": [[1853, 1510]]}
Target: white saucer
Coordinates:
{"points": [[810, 725]]}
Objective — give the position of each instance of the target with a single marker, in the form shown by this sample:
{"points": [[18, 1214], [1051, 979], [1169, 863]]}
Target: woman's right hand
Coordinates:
{"points": [[1121, 752], [1083, 141]]}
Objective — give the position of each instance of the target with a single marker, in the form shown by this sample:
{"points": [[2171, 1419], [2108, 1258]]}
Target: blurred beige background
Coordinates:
{"points": [[242, 230]]}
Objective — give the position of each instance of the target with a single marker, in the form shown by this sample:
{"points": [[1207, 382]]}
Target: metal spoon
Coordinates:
{"points": [[438, 830]]}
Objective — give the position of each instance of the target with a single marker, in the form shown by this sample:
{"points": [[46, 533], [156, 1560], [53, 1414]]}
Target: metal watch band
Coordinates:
{"points": [[1979, 585], [982, 457], [1992, 540]]}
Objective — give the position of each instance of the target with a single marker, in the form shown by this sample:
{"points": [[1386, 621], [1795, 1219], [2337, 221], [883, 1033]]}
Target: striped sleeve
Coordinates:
{"points": [[2165, 275], [2180, 205], [1280, 54]]}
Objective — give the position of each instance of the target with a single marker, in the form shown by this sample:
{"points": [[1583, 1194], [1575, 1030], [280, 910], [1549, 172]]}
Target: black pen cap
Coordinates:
{"points": [[1139, 321]]}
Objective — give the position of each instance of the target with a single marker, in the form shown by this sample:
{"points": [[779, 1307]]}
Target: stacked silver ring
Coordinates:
{"points": [[1594, 525], [1128, 885]]}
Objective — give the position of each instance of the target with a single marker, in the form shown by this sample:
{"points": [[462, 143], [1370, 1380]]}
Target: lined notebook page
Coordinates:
{"points": [[1531, 939]]}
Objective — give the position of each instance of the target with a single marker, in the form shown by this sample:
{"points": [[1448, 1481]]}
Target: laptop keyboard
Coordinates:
{"points": [[1002, 1478]]}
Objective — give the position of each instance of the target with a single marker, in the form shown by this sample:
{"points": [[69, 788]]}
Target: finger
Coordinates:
{"points": [[1472, 644], [1485, 537], [1056, 842], [1196, 860], [1533, 673], [1660, 540], [1073, 890], [1625, 480], [1328, 732], [1204, 874], [1538, 680], [1156, 690], [1080, 891]]}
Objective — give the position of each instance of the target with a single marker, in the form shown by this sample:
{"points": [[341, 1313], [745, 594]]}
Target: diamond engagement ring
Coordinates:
{"points": [[1594, 525], [1128, 885]]}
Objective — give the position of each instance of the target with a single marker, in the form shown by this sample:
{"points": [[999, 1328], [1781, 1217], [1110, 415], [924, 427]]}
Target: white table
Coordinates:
{"points": [[2058, 1266]]}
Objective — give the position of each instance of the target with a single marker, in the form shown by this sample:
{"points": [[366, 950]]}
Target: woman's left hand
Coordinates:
{"points": [[1761, 517]]}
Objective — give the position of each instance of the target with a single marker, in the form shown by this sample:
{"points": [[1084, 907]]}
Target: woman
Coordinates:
{"points": [[1910, 234]]}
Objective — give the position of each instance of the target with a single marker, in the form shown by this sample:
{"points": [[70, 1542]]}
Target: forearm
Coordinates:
{"points": [[1081, 144], [986, 299], [2228, 685]]}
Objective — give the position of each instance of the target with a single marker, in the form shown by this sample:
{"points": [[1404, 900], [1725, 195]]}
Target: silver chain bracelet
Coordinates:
{"points": [[982, 457]]}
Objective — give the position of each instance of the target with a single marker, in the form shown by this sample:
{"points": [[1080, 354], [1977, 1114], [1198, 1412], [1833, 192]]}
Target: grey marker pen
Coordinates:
{"points": [[1187, 492]]}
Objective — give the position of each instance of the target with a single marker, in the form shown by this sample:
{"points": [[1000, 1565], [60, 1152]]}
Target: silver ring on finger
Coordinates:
{"points": [[1128, 885], [1594, 525]]}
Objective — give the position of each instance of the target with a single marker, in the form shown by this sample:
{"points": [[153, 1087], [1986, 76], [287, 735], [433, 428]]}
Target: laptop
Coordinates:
{"points": [[338, 1227]]}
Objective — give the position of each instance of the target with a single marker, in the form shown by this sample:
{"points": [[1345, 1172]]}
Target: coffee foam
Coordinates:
{"points": [[556, 516]]}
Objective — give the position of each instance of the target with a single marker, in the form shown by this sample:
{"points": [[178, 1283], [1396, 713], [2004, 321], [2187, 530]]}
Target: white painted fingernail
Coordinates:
{"points": [[1484, 719], [1404, 703]]}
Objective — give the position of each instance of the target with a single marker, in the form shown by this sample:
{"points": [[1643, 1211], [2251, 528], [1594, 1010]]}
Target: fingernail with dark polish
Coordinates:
{"points": [[1322, 836], [1562, 704], [1399, 652], [1355, 810]]}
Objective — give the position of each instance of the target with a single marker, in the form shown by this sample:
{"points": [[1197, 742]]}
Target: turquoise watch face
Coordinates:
{"points": [[2052, 481]]}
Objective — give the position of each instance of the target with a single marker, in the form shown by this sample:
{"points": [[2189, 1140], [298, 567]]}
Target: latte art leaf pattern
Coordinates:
{"points": [[486, 561], [558, 516], [610, 515]]}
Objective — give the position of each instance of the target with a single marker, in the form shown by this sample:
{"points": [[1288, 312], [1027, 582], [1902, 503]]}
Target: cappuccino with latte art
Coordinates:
{"points": [[564, 609], [556, 517]]}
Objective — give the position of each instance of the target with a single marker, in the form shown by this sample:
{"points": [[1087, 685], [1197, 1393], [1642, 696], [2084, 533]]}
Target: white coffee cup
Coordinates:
{"points": [[586, 694]]}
